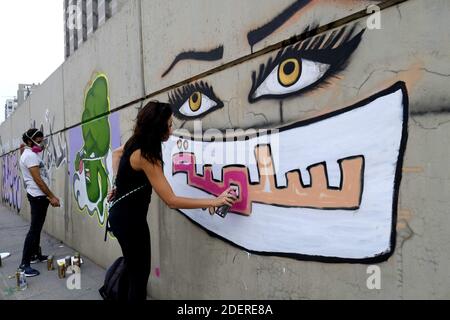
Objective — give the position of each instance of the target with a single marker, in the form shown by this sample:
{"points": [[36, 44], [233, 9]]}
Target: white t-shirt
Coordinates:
{"points": [[30, 159]]}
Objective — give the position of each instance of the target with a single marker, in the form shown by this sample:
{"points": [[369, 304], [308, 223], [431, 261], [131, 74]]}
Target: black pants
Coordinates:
{"points": [[39, 206], [134, 239]]}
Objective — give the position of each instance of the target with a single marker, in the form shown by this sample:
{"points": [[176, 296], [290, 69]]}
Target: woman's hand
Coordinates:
{"points": [[226, 198], [112, 194]]}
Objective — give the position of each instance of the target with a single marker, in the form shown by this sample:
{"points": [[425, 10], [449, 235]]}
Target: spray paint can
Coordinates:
{"points": [[21, 281], [223, 210], [50, 265], [77, 260], [68, 261], [61, 270]]}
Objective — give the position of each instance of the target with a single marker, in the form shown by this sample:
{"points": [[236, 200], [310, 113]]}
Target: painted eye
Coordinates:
{"points": [[289, 71], [197, 104], [291, 76], [301, 67], [194, 101]]}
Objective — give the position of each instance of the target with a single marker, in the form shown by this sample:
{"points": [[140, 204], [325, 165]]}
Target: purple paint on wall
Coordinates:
{"points": [[76, 139], [11, 182]]}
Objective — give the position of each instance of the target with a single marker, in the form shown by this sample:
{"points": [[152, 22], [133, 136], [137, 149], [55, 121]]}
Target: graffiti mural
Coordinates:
{"points": [[264, 31], [322, 189], [194, 101], [303, 66], [91, 151], [12, 181], [211, 55], [55, 152], [295, 209]]}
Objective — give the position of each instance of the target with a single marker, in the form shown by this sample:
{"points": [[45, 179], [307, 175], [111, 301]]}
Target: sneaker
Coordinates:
{"points": [[36, 259], [30, 272]]}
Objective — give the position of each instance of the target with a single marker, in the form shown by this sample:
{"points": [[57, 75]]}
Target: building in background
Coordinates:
{"points": [[24, 91], [10, 107], [83, 17]]}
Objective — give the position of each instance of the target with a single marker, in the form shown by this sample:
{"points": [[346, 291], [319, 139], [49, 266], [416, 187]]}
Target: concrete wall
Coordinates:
{"points": [[197, 257]]}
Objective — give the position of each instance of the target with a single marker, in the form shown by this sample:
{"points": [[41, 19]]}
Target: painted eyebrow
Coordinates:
{"points": [[212, 55], [259, 34]]}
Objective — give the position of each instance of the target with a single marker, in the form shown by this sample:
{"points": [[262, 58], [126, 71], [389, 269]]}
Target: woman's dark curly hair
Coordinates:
{"points": [[151, 129]]}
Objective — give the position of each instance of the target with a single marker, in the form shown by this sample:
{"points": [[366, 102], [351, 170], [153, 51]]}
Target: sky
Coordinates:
{"points": [[31, 43]]}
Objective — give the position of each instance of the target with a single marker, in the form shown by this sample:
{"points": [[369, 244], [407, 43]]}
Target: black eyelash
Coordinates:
{"points": [[179, 96], [317, 49]]}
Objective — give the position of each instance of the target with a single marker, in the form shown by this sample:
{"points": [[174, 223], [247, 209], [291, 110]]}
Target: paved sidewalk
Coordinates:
{"points": [[46, 286]]}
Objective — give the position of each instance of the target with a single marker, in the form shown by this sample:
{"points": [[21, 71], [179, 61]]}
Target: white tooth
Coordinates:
{"points": [[217, 172], [199, 168], [305, 176], [253, 171], [232, 152], [275, 152], [247, 156], [333, 173], [281, 179]]}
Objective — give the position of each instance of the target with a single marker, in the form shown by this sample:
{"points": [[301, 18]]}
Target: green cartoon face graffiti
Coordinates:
{"points": [[90, 160]]}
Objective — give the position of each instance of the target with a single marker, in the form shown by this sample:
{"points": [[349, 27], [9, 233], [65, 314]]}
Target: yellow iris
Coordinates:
{"points": [[195, 101], [289, 72]]}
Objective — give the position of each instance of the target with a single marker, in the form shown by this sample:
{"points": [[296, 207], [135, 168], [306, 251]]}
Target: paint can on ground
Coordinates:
{"points": [[76, 266], [77, 260], [68, 261], [21, 281], [61, 270], [50, 265]]}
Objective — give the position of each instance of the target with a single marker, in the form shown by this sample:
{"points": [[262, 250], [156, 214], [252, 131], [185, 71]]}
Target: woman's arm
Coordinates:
{"points": [[159, 183], [117, 154]]}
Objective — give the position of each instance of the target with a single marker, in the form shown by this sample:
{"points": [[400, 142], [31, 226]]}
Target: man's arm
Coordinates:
{"points": [[35, 173]]}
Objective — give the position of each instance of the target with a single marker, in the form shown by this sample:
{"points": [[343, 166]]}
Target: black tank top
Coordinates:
{"points": [[132, 203]]}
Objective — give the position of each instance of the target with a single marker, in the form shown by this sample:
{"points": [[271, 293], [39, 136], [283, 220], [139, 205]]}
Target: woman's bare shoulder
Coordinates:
{"points": [[139, 162], [120, 149], [136, 160]]}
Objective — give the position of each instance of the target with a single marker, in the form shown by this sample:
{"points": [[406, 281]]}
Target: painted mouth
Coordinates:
{"points": [[321, 189], [317, 194]]}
